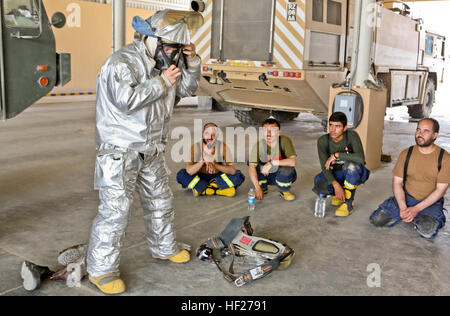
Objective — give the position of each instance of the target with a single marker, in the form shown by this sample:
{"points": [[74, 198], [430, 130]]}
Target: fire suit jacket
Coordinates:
{"points": [[135, 103]]}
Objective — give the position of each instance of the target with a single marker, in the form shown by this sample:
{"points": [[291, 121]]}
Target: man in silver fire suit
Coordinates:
{"points": [[136, 92]]}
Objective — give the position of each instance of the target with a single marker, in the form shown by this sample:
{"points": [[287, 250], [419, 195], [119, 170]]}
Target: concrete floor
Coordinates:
{"points": [[47, 203]]}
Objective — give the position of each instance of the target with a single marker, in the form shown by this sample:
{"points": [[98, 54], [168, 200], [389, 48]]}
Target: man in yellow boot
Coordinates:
{"points": [[342, 160], [136, 92], [211, 170], [272, 162]]}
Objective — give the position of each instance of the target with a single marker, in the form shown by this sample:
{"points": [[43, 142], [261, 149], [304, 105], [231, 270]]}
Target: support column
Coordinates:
{"points": [[365, 20], [119, 14]]}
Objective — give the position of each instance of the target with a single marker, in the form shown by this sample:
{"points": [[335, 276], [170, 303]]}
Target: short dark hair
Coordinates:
{"points": [[270, 121], [432, 120], [338, 117]]}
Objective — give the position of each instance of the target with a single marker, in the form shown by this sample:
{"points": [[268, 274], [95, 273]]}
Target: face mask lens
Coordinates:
{"points": [[174, 55], [167, 55], [204, 253]]}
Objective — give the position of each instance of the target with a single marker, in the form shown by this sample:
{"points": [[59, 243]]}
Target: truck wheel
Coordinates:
{"points": [[283, 116], [419, 111], [245, 117], [220, 107], [257, 116]]}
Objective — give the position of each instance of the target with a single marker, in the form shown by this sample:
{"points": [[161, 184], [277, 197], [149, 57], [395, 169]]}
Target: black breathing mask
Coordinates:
{"points": [[164, 60]]}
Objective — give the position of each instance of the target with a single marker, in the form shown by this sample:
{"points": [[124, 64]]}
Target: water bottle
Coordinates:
{"points": [[319, 208], [251, 200]]}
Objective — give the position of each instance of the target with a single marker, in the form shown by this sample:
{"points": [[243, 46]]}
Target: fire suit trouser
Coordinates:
{"points": [[200, 181], [118, 175], [282, 177], [351, 174], [391, 209]]}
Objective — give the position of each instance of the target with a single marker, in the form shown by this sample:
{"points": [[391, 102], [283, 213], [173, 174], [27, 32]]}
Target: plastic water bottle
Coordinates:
{"points": [[251, 200], [319, 208]]}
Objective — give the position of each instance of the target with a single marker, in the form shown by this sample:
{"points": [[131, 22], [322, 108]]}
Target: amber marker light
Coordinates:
{"points": [[43, 81]]}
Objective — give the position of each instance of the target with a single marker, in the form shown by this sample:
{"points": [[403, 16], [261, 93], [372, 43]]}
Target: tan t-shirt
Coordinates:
{"points": [[423, 175], [221, 155]]}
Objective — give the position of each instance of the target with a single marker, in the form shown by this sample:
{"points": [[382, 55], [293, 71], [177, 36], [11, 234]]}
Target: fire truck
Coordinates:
{"points": [[280, 57], [29, 64]]}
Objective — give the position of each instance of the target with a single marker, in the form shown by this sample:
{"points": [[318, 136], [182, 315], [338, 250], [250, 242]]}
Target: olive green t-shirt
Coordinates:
{"points": [[262, 153], [423, 175], [326, 147]]}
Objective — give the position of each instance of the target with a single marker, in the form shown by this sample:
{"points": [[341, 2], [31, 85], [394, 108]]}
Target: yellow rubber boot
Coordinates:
{"points": [[197, 194], [288, 196], [343, 210], [180, 256], [346, 208], [110, 283], [230, 192], [212, 188], [335, 201]]}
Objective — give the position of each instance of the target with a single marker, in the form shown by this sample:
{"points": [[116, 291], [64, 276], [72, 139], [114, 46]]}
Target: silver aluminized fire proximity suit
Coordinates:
{"points": [[133, 111]]}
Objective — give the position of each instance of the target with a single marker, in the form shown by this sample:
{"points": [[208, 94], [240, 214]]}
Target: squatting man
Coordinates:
{"points": [[341, 156]]}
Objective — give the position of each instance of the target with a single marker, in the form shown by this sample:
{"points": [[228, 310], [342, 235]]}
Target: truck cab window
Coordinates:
{"points": [[21, 13], [317, 10], [429, 45], [440, 47], [334, 12]]}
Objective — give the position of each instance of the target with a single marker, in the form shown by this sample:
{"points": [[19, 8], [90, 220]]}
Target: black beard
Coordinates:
{"points": [[426, 144]]}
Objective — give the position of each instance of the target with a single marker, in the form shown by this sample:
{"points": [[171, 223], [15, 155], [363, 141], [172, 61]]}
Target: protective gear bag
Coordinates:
{"points": [[237, 240]]}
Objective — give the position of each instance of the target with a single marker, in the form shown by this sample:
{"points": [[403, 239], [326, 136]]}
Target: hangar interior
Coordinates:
{"points": [[48, 201]]}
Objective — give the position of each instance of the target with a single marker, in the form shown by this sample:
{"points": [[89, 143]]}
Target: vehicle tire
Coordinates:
{"points": [[419, 111], [220, 107], [257, 116], [244, 117], [324, 123], [283, 116]]}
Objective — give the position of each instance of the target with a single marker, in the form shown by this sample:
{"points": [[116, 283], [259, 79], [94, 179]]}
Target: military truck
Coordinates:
{"points": [[280, 57], [29, 64]]}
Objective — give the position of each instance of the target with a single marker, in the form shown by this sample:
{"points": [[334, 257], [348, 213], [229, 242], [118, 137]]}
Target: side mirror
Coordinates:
{"points": [[58, 20]]}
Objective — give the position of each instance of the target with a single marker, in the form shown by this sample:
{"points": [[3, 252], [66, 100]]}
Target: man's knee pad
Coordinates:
{"points": [[350, 166], [180, 174], [426, 226], [286, 171], [320, 187], [382, 219], [239, 178]]}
